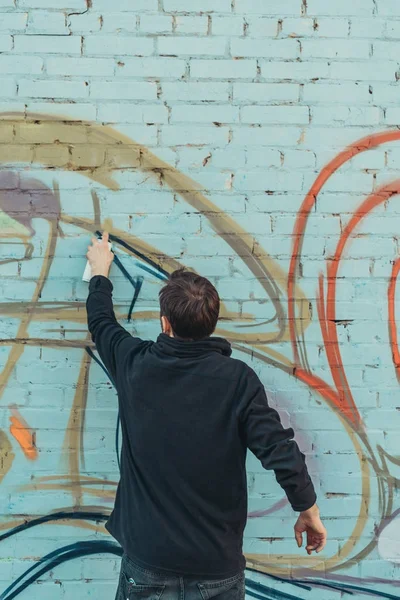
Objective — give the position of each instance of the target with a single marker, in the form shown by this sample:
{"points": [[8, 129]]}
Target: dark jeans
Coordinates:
{"points": [[142, 584]]}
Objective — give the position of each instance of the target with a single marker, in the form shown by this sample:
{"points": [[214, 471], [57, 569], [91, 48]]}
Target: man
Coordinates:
{"points": [[188, 413]]}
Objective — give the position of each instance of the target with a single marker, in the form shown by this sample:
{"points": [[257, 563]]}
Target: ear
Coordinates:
{"points": [[166, 326]]}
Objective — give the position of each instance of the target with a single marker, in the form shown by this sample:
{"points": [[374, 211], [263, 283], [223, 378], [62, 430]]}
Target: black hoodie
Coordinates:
{"points": [[188, 414]]}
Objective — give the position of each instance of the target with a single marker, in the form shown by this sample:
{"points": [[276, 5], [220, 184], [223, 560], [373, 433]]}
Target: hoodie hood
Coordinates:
{"points": [[190, 349]]}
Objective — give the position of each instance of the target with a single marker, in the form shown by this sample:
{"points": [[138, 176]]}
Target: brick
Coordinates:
{"points": [[266, 136], [118, 46], [127, 6], [43, 21], [299, 71], [364, 71], [337, 93], [119, 90], [257, 93], [47, 44], [227, 25], [337, 27], [202, 92], [366, 115], [13, 22], [48, 4], [187, 46], [8, 88], [87, 156], [385, 50], [392, 116], [126, 113], [155, 24], [259, 26], [59, 156], [86, 22], [102, 67], [391, 28], [6, 43], [19, 153], [40, 88], [268, 7], [368, 28], [200, 136], [73, 112], [202, 6], [298, 27], [335, 49], [204, 114], [20, 64], [384, 94], [275, 114], [272, 181], [223, 69], [388, 8], [263, 158], [186, 24], [159, 68], [340, 7], [268, 49]]}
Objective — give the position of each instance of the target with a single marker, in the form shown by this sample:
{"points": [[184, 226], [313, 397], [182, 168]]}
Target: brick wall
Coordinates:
{"points": [[257, 142]]}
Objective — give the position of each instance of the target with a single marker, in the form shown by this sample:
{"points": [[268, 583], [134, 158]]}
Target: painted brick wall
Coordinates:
{"points": [[257, 142]]}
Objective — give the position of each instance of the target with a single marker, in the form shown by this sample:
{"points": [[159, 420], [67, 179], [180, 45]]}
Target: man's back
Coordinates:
{"points": [[188, 414]]}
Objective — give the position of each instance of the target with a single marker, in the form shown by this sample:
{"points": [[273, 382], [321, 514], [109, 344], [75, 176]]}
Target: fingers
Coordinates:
{"points": [[299, 538], [105, 237]]}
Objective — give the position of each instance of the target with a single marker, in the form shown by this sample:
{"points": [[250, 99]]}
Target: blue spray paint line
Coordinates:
{"points": [[97, 361], [156, 274], [52, 560], [59, 516], [142, 257]]}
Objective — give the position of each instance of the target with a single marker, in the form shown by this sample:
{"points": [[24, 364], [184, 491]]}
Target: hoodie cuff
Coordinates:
{"points": [[305, 499], [99, 283]]}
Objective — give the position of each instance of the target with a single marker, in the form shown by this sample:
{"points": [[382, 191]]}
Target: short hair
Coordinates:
{"points": [[191, 304]]}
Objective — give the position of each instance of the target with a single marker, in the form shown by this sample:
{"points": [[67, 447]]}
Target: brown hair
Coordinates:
{"points": [[191, 304]]}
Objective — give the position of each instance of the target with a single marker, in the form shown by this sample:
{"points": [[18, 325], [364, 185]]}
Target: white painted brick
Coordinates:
{"points": [[299, 71], [20, 64], [119, 90], [8, 88], [188, 46], [340, 7], [6, 43], [102, 67], [265, 48], [40, 88], [392, 116], [186, 24], [384, 94], [128, 113], [263, 158], [386, 50], [266, 136], [204, 114], [88, 22], [200, 6], [72, 111], [298, 27], [364, 71], [261, 27], [47, 44], [335, 49], [121, 22], [176, 135], [126, 6], [298, 159], [44, 21], [337, 93], [368, 28], [290, 115], [227, 25], [48, 4], [329, 27], [271, 181], [223, 69], [268, 7], [392, 29], [13, 22], [202, 92], [328, 115], [388, 8], [257, 93], [159, 68], [155, 23], [118, 46]]}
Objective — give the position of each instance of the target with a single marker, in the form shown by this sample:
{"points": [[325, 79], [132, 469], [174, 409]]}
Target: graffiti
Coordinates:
{"points": [[37, 227]]}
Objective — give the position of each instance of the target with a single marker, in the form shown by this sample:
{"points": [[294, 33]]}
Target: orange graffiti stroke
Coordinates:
{"points": [[23, 434]]}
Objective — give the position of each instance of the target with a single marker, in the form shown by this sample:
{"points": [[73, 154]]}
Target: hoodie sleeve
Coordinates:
{"points": [[113, 342], [274, 445]]}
